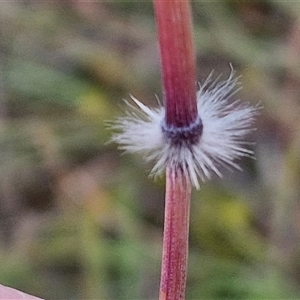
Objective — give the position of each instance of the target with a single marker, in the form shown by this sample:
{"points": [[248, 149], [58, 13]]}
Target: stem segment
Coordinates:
{"points": [[175, 242], [178, 60], [178, 63]]}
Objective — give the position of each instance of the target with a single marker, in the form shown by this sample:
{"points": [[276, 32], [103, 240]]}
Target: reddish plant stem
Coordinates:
{"points": [[178, 64], [175, 242], [174, 26]]}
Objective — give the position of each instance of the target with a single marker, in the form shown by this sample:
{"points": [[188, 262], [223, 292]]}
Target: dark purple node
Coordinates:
{"points": [[186, 135]]}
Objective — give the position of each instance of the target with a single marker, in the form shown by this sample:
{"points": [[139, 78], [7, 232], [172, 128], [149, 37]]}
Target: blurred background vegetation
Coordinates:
{"points": [[79, 221]]}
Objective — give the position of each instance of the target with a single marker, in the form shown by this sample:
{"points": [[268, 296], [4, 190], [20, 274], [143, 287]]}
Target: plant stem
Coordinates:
{"points": [[178, 60], [175, 242], [178, 64]]}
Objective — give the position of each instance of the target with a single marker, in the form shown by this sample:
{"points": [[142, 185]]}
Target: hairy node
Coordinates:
{"points": [[187, 135]]}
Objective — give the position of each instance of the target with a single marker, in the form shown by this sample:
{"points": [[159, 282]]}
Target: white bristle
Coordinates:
{"points": [[225, 125]]}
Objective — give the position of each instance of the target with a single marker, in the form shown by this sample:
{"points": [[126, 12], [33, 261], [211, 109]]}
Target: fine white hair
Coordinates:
{"points": [[225, 125]]}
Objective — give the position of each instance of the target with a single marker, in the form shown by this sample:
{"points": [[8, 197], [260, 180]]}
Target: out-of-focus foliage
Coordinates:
{"points": [[79, 221]]}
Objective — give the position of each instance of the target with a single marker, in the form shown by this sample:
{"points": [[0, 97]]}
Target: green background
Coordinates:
{"points": [[80, 221]]}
